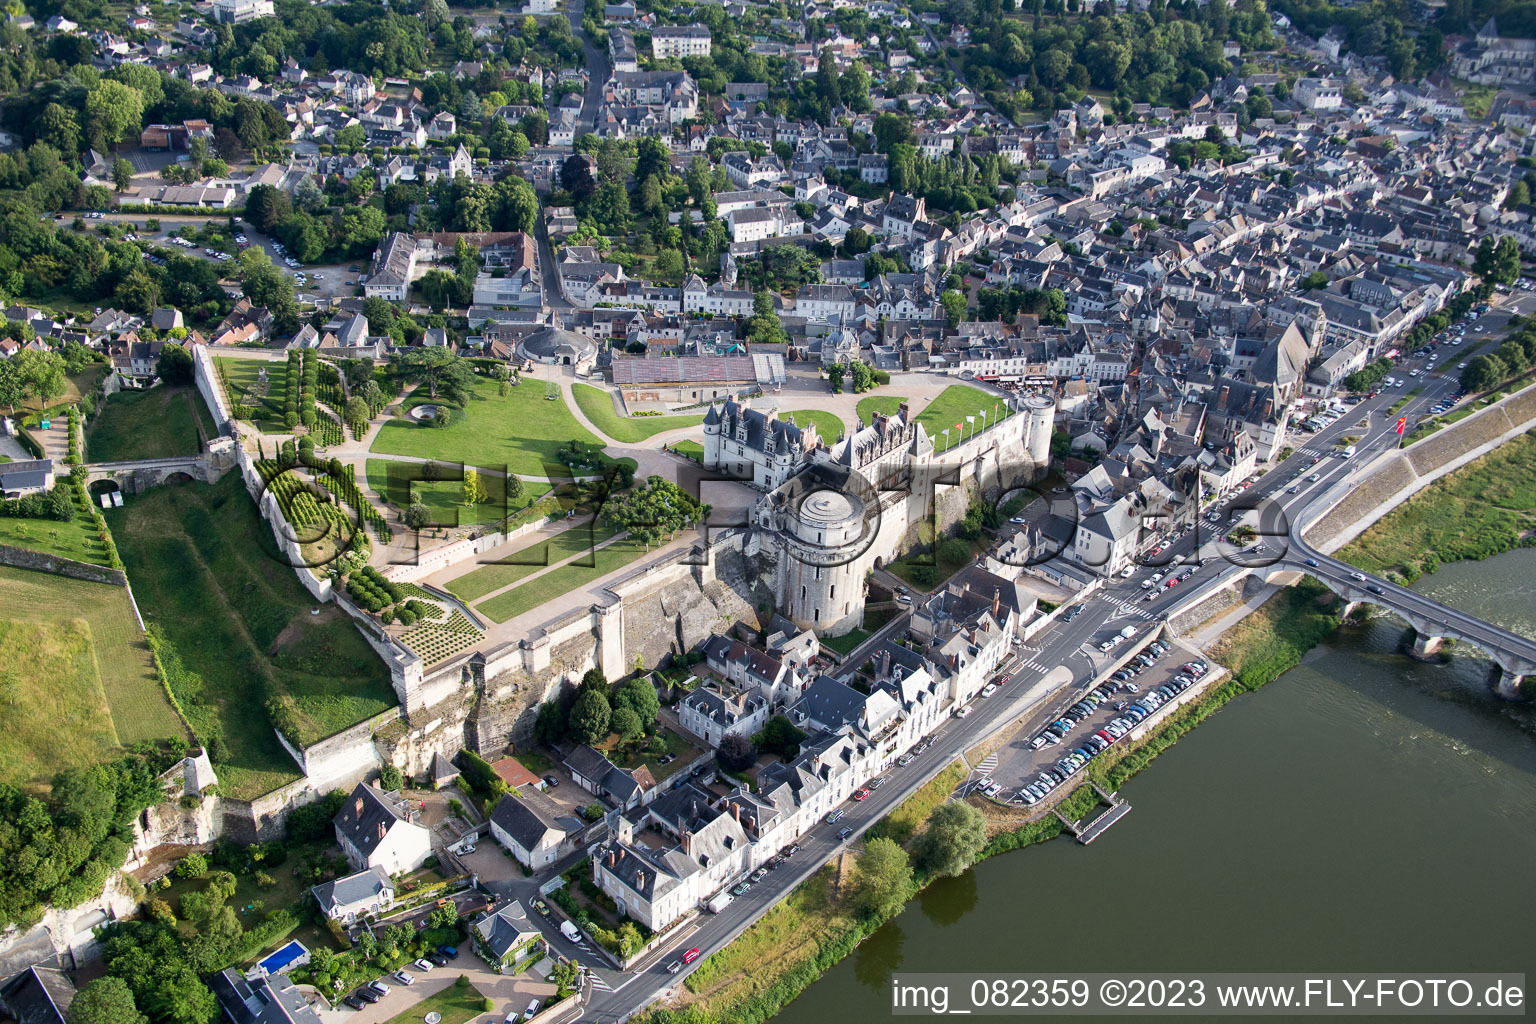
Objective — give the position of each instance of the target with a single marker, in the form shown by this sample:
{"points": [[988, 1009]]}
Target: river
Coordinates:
{"points": [[1362, 812]]}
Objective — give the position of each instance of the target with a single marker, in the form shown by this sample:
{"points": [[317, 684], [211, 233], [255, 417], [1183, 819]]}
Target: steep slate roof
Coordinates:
{"points": [[366, 818], [354, 888], [523, 823]]}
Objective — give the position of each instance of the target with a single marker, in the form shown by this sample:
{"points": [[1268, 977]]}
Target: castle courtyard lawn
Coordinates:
{"points": [[529, 559], [77, 678], [886, 405], [952, 406], [828, 425], [157, 423], [561, 581], [202, 566], [520, 432], [393, 482], [241, 378], [597, 405]]}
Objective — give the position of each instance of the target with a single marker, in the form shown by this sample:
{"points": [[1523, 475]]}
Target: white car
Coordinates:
{"points": [[423, 965], [989, 689], [403, 978]]}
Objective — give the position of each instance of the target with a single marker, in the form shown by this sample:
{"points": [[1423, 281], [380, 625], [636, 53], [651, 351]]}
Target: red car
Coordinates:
{"points": [[861, 794], [692, 955], [1155, 552]]}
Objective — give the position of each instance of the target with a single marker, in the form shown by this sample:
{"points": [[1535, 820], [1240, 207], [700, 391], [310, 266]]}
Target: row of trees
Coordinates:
{"points": [[595, 709], [1514, 358]]}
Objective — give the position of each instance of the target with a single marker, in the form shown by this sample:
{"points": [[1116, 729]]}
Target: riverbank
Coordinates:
{"points": [[813, 929], [1485, 508]]}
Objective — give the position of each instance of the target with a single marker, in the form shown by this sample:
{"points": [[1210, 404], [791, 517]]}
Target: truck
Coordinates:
{"points": [[720, 901], [1348, 452], [570, 931]]}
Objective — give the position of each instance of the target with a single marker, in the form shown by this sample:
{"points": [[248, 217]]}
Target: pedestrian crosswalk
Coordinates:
{"points": [[598, 983], [988, 765]]}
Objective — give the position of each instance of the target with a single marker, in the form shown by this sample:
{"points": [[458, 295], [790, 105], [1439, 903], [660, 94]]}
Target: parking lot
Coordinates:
{"points": [[1037, 767]]}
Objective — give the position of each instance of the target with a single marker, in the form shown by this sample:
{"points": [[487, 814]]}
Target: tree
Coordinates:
{"points": [[42, 374], [104, 1001], [1519, 195], [639, 696], [474, 487], [564, 975], [736, 752], [627, 724], [12, 388], [954, 306], [122, 174], [881, 879], [669, 264], [265, 205], [174, 366], [356, 413], [515, 488], [780, 736], [116, 111], [590, 716], [417, 516], [1314, 280], [1484, 373], [954, 837], [439, 369], [59, 128]]}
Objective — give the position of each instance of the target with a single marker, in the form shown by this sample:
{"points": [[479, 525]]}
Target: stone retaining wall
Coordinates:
{"points": [[26, 558]]}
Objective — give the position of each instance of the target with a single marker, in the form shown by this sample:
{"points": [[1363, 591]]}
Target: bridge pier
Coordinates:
{"points": [[1508, 685], [1425, 647], [1349, 608]]}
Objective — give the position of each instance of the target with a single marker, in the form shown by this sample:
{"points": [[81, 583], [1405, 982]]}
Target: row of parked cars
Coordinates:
{"points": [[378, 989], [1129, 716]]}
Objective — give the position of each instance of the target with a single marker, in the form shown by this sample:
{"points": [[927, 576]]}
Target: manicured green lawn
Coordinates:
{"points": [[445, 498], [75, 539], [241, 378], [883, 404], [202, 567], [561, 581], [847, 642], [828, 425], [691, 449], [597, 404], [953, 405], [156, 423], [456, 1003], [527, 560], [522, 431]]}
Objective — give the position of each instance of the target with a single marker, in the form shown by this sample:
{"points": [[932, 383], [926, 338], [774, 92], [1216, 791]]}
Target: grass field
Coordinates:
{"points": [[953, 405], [691, 449], [904, 822], [828, 425], [883, 404], [561, 581], [199, 559], [75, 675], [149, 424], [527, 560], [1483, 508], [521, 432], [456, 1004], [240, 381], [446, 497], [75, 539], [597, 405]]}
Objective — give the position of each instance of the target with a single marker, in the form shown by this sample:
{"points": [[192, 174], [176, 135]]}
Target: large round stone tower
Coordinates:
{"points": [[823, 560], [1041, 410]]}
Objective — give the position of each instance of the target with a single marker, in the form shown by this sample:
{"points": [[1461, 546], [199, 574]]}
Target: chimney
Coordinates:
{"points": [[357, 807], [1269, 407], [997, 601], [640, 880], [1221, 397], [382, 830], [688, 843], [612, 858], [736, 812]]}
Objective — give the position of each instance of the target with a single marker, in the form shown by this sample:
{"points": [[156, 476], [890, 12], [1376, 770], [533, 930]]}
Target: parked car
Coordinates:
{"points": [[368, 994], [533, 1008], [354, 1002]]}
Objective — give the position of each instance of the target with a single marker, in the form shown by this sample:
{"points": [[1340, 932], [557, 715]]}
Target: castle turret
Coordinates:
{"points": [[712, 438], [1041, 410], [824, 578]]}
